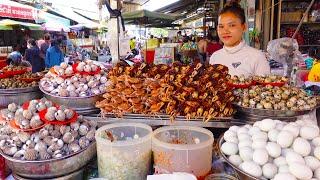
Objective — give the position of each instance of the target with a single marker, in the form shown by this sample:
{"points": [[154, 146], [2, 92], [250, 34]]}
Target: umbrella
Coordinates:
{"points": [[55, 26], [4, 27], [8, 22], [149, 18]]}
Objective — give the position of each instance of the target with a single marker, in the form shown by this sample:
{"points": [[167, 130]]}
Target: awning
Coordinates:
{"points": [[9, 22], [69, 13], [88, 26], [4, 27], [87, 14], [55, 26]]}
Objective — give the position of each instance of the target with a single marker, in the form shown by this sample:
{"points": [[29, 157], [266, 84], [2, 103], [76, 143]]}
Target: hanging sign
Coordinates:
{"points": [[16, 12]]}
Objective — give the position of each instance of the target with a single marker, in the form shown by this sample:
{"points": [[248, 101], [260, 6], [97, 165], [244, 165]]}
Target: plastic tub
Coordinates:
{"points": [[182, 149], [127, 157]]}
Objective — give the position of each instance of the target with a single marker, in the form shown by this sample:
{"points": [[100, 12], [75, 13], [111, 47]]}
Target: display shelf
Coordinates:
{"points": [[310, 45], [164, 120], [158, 122], [295, 23], [296, 1]]}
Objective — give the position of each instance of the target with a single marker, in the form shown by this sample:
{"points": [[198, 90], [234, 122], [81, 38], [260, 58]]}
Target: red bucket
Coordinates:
{"points": [[149, 56]]}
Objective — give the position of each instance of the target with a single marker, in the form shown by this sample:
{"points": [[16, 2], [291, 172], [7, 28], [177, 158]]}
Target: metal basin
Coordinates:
{"points": [[83, 105], [242, 175], [51, 168], [19, 96], [271, 112]]}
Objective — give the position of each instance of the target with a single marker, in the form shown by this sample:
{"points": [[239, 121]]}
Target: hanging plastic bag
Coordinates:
{"points": [[285, 51]]}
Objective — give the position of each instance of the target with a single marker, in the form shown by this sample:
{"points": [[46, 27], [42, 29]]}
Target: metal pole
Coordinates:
{"points": [[272, 20], [301, 21]]}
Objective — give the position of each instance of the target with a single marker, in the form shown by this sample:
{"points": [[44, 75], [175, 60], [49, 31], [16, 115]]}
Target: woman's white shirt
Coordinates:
{"points": [[242, 60]]}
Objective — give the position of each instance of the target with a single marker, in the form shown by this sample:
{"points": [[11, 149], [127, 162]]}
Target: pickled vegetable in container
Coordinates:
{"points": [[124, 151], [182, 149]]}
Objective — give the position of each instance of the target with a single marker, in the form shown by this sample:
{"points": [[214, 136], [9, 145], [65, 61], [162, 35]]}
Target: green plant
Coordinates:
{"points": [[254, 35]]}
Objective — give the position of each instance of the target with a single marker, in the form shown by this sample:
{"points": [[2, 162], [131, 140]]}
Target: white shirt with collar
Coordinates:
{"points": [[242, 60]]}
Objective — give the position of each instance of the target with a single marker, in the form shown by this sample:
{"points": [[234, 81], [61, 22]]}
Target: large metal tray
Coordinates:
{"points": [[162, 120], [82, 105], [242, 175], [272, 113], [19, 96], [51, 168], [19, 90]]}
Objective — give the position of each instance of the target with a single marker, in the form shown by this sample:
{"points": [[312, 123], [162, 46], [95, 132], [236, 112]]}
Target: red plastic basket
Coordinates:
{"points": [[277, 84], [14, 125]]}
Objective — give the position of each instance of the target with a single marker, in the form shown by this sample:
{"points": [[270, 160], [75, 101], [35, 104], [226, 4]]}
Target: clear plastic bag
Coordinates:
{"points": [[285, 51]]}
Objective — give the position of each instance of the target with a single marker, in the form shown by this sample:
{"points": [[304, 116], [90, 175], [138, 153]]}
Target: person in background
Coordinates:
{"points": [[179, 37], [44, 47], [202, 49], [213, 45], [32, 55], [240, 58], [132, 43], [54, 55], [15, 56]]}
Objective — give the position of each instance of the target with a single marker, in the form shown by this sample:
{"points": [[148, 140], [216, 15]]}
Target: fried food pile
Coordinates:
{"points": [[194, 91]]}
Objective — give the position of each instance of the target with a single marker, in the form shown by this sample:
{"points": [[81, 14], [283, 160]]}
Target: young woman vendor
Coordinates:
{"points": [[240, 58]]}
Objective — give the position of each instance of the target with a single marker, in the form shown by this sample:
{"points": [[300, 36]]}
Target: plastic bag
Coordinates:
{"points": [[285, 51]]}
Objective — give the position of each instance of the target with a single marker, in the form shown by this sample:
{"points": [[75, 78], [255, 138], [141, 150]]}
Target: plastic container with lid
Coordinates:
{"points": [[182, 149], [128, 156]]}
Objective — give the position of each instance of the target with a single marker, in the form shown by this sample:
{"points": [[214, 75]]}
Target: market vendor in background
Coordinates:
{"points": [[213, 45], [54, 55], [240, 58], [32, 55], [15, 57]]}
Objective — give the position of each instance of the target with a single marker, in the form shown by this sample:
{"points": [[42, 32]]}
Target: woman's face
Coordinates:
{"points": [[230, 29]]}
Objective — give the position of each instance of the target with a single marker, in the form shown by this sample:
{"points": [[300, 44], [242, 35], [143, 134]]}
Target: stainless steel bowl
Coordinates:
{"points": [[242, 175], [221, 176], [83, 105], [272, 113], [53, 167], [73, 176], [19, 96]]}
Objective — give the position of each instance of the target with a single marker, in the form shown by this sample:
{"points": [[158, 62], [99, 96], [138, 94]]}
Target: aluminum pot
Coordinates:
{"points": [[51, 168], [242, 175], [18, 96], [271, 112], [82, 105]]}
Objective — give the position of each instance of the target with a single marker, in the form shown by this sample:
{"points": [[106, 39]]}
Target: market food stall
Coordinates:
{"points": [[145, 18], [135, 98], [157, 119]]}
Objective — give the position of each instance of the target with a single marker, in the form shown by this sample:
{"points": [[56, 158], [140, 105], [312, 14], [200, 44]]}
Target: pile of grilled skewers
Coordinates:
{"points": [[193, 91]]}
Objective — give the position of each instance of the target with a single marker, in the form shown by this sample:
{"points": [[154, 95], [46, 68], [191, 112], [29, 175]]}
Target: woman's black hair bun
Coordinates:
{"points": [[235, 8], [233, 4]]}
